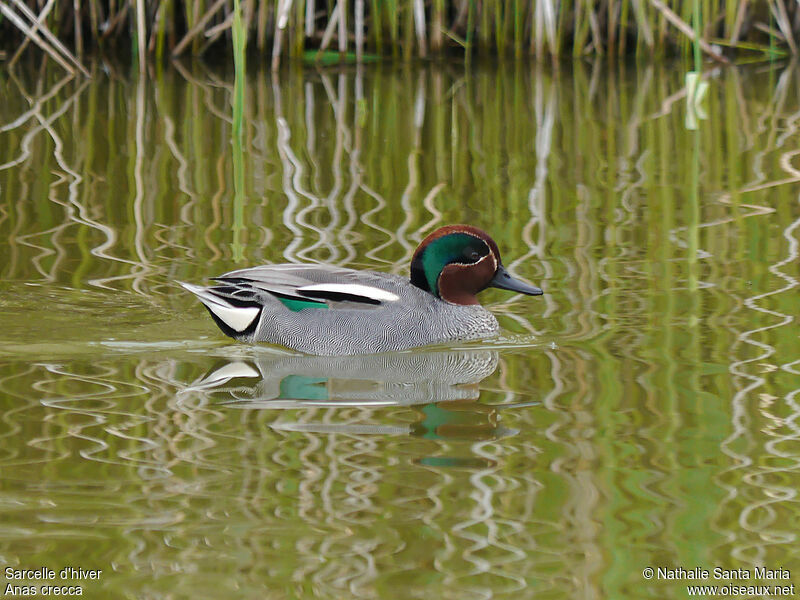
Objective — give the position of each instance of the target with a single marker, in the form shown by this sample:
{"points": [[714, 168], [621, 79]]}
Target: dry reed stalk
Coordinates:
{"points": [[643, 25], [52, 39], [151, 44], [461, 16], [342, 26], [141, 33], [76, 6], [737, 25], [544, 24], [437, 26], [116, 21], [310, 17], [277, 38], [94, 19], [611, 25], [281, 20], [199, 26], [550, 21], [594, 26], [112, 11], [261, 27], [213, 33], [327, 36], [19, 23], [769, 31], [680, 24], [39, 20], [359, 25], [419, 26]]}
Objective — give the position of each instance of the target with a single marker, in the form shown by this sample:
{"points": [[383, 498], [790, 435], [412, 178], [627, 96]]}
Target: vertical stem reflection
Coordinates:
{"points": [[238, 114]]}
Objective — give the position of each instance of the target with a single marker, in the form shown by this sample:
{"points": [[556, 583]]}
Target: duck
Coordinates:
{"points": [[328, 310]]}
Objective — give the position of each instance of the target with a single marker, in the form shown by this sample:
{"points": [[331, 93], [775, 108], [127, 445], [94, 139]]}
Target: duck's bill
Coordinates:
{"points": [[504, 281]]}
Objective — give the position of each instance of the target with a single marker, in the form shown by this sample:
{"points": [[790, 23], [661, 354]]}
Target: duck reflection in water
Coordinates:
{"points": [[442, 387]]}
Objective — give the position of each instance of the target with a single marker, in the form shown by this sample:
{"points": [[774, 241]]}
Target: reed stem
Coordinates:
{"points": [[141, 34]]}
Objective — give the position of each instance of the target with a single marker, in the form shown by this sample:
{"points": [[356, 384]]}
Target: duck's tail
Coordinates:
{"points": [[235, 317]]}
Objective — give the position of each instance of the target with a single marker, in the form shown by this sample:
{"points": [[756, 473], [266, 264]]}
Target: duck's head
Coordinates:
{"points": [[456, 262]]}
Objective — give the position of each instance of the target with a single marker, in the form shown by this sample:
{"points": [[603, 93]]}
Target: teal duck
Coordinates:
{"points": [[329, 310]]}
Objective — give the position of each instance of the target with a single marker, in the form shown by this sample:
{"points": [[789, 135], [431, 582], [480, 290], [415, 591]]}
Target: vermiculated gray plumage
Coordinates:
{"points": [[343, 326]]}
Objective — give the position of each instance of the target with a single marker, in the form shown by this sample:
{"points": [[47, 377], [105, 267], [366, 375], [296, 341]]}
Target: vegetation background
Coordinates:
{"points": [[359, 30]]}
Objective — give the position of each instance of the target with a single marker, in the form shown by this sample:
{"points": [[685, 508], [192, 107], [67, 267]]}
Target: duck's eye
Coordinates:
{"points": [[472, 253]]}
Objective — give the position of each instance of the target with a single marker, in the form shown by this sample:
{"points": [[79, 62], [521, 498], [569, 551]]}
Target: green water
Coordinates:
{"points": [[643, 412]]}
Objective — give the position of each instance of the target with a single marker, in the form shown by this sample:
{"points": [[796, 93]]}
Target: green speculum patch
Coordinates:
{"points": [[296, 305]]}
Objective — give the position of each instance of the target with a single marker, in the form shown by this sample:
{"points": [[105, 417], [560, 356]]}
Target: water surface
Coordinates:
{"points": [[643, 412]]}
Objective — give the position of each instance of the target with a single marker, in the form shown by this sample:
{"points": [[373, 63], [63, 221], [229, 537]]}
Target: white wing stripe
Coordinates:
{"points": [[354, 289]]}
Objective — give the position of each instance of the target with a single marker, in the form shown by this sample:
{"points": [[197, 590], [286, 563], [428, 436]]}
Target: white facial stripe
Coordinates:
{"points": [[489, 256], [353, 289], [237, 318]]}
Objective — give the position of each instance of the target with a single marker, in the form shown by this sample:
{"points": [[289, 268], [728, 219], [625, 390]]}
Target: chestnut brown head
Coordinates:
{"points": [[456, 262]]}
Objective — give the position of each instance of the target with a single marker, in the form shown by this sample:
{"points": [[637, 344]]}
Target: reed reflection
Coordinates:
{"points": [[669, 381]]}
